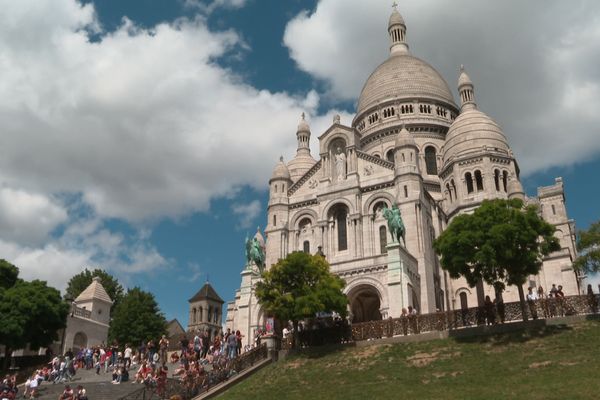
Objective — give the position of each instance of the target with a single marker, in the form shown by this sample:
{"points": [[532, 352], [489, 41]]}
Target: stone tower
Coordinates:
{"points": [[206, 311]]}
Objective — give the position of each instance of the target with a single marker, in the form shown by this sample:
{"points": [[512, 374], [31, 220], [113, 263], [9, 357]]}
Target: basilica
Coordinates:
{"points": [[409, 144]]}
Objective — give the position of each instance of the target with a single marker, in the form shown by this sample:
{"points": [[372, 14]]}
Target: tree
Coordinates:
{"points": [[501, 243], [79, 282], [32, 313], [137, 318], [8, 274], [588, 246], [300, 286]]}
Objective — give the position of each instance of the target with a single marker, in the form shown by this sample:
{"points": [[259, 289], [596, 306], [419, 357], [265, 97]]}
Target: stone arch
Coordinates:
{"points": [[365, 301], [310, 214], [80, 341], [333, 203], [337, 137], [374, 199]]}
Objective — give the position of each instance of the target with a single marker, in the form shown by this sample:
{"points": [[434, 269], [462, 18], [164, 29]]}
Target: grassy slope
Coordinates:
{"points": [[556, 362]]}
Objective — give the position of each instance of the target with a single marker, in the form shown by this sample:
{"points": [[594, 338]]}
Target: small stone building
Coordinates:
{"points": [[87, 323], [206, 311]]}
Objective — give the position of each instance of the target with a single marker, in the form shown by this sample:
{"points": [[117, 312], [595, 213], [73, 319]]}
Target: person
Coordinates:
{"points": [[80, 393], [238, 336], [531, 301], [67, 394], [31, 386], [197, 344], [205, 344], [163, 345], [116, 376], [231, 345], [544, 303], [127, 355], [490, 311]]}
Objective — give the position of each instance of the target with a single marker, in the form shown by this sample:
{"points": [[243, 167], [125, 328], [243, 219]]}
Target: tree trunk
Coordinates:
{"points": [[7, 352], [296, 337], [522, 301]]}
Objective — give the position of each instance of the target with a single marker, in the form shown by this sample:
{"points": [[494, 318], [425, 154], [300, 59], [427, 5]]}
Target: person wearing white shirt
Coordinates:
{"points": [[531, 301]]}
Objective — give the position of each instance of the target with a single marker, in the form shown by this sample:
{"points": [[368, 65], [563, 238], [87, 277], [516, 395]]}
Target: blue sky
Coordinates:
{"points": [[139, 135]]}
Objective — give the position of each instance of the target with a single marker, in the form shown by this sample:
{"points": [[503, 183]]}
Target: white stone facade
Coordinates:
{"points": [[409, 144]]}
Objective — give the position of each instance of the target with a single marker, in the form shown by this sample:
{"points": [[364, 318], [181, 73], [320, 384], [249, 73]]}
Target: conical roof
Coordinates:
{"points": [[95, 291], [206, 293]]}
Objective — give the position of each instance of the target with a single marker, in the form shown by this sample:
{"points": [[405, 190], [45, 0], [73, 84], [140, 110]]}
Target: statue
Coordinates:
{"points": [[340, 164], [255, 253], [394, 222]]}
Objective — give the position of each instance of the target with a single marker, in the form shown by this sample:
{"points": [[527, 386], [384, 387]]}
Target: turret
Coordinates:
{"points": [[408, 177], [303, 161], [466, 91], [397, 31]]}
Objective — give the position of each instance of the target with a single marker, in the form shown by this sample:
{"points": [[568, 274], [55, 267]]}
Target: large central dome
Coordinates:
{"points": [[403, 76]]}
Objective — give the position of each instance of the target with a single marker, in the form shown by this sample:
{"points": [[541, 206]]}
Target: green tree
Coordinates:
{"points": [[501, 243], [32, 313], [588, 246], [79, 282], [300, 286], [137, 318], [8, 274]]}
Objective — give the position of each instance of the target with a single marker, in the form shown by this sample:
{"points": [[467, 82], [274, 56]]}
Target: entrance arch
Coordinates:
{"points": [[365, 303], [79, 342]]}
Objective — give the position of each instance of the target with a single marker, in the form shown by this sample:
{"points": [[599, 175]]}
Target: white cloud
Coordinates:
{"points": [[28, 217], [247, 213], [533, 63], [210, 6], [143, 123]]}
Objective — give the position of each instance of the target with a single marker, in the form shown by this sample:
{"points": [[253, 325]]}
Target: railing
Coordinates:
{"points": [[456, 319], [81, 312], [193, 383], [323, 332]]}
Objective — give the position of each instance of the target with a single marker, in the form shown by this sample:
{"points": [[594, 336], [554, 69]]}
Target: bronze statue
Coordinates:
{"points": [[394, 222]]}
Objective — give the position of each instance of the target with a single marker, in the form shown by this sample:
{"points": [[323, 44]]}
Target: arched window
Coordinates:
{"points": [[463, 301], [390, 156], [479, 180], [378, 209], [449, 192], [194, 315], [430, 160], [497, 179], [469, 181], [274, 220], [306, 246], [199, 315], [405, 191], [209, 314], [341, 216], [505, 180], [383, 239]]}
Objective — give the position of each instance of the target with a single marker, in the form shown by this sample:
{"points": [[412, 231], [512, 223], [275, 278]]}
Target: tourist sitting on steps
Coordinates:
{"points": [[67, 394]]}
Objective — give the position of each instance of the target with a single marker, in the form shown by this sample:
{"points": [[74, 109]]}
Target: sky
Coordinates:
{"points": [[139, 136]]}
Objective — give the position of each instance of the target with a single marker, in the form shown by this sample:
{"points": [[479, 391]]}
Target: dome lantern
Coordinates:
{"points": [[466, 91], [397, 31], [303, 136]]}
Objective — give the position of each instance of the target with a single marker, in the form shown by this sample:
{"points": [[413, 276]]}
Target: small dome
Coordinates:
{"points": [[303, 125], [403, 76], [405, 139], [396, 18], [464, 79], [281, 171], [472, 131], [300, 164]]}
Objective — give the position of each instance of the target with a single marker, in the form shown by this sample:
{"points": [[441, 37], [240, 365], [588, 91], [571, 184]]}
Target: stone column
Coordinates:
{"points": [[396, 281]]}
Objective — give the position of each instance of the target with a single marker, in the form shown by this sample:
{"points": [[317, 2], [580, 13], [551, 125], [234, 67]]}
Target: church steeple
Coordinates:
{"points": [[303, 136], [466, 91], [397, 31]]}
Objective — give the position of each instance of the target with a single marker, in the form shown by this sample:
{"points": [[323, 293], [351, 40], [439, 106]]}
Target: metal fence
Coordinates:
{"points": [[194, 383], [456, 319]]}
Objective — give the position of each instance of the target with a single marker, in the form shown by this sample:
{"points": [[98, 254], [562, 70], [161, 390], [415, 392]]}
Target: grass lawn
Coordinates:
{"points": [[557, 362]]}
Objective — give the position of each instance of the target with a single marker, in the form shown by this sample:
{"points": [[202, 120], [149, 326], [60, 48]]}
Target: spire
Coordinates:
{"points": [[466, 91], [397, 31], [303, 136]]}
